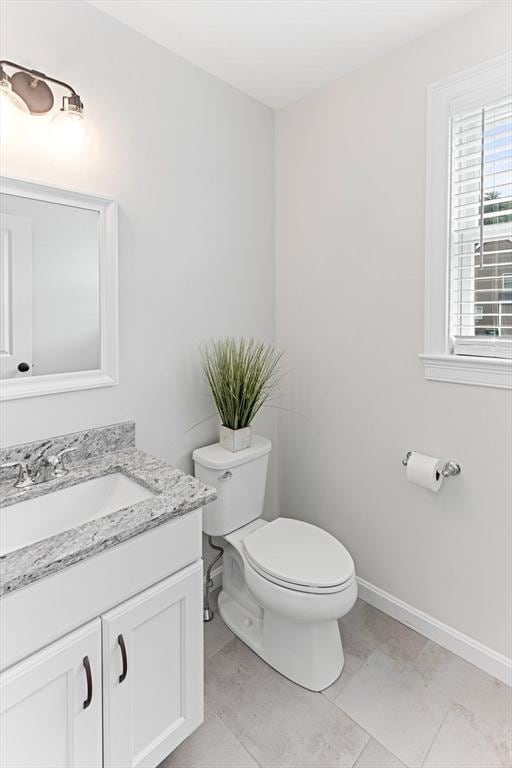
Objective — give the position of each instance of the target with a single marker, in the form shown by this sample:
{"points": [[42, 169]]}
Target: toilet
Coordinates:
{"points": [[285, 583]]}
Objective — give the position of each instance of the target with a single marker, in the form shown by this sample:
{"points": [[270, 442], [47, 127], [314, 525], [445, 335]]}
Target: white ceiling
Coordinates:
{"points": [[280, 50]]}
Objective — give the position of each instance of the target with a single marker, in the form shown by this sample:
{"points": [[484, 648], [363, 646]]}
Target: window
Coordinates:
{"points": [[481, 230], [468, 308]]}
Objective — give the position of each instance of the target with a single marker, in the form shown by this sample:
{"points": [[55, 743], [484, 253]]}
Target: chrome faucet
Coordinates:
{"points": [[47, 468], [50, 467], [23, 480]]}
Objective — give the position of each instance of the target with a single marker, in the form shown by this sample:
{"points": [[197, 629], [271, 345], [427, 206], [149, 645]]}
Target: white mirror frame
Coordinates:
{"points": [[107, 374]]}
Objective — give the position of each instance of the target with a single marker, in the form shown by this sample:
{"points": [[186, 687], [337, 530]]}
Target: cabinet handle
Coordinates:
{"points": [[88, 675], [120, 640]]}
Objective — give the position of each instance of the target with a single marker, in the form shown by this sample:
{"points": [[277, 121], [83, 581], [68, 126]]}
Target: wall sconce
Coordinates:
{"points": [[26, 91]]}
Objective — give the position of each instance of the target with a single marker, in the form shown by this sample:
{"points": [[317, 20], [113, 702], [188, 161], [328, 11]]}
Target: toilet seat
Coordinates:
{"points": [[299, 556], [299, 587]]}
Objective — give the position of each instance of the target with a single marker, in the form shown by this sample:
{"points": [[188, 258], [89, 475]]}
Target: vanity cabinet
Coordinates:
{"points": [[153, 672], [50, 705], [121, 692]]}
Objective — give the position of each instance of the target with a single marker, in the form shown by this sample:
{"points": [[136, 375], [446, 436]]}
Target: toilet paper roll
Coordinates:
{"points": [[425, 471]]}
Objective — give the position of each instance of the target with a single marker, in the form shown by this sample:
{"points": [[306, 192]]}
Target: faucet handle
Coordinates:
{"points": [[24, 480], [58, 461]]}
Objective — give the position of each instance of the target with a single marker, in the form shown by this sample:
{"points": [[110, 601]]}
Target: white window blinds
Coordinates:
{"points": [[481, 231]]}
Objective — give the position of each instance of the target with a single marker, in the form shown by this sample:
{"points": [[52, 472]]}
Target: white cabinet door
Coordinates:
{"points": [[50, 705], [153, 671]]}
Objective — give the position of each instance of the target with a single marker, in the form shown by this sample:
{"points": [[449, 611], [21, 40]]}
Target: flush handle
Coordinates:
{"points": [[226, 475]]}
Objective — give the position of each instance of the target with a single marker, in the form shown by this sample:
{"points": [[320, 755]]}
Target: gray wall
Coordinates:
{"points": [[190, 161], [351, 170]]}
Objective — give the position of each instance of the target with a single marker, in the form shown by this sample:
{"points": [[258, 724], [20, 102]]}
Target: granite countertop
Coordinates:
{"points": [[176, 494]]}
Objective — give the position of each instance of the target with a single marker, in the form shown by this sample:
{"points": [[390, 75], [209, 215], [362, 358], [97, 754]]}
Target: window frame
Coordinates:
{"points": [[466, 90]]}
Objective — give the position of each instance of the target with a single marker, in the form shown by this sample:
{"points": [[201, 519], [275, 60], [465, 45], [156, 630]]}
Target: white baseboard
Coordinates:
{"points": [[471, 650], [466, 647]]}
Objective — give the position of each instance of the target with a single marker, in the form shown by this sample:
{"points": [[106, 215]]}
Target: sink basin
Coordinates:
{"points": [[29, 521]]}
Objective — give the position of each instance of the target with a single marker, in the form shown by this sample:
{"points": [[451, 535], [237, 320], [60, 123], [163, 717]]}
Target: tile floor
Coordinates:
{"points": [[401, 701]]}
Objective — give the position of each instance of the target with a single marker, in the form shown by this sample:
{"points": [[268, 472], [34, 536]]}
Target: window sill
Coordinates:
{"points": [[464, 369]]}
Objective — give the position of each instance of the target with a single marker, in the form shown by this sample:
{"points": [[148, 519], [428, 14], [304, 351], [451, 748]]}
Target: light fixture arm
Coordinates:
{"points": [[37, 75], [32, 87]]}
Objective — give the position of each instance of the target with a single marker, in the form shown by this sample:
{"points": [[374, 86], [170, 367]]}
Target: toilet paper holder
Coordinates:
{"points": [[450, 469]]}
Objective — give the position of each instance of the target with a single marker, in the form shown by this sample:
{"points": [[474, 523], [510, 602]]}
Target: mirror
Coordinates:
{"points": [[58, 290]]}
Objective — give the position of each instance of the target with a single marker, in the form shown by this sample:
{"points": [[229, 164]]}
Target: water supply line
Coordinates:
{"points": [[207, 611]]}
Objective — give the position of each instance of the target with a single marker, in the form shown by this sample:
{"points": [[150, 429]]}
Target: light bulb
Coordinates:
{"points": [[12, 111], [68, 131]]}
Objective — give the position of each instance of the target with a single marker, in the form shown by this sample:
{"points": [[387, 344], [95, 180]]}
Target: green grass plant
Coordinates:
{"points": [[242, 375]]}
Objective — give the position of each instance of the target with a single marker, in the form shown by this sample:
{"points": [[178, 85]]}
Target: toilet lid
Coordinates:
{"points": [[299, 554]]}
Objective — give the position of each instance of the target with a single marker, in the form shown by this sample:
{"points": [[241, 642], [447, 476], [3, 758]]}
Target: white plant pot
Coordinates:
{"points": [[235, 439]]}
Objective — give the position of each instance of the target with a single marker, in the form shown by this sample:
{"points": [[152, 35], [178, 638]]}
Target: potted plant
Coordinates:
{"points": [[242, 375]]}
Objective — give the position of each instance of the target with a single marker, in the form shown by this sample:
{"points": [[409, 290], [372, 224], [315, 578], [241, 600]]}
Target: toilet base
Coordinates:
{"points": [[309, 654]]}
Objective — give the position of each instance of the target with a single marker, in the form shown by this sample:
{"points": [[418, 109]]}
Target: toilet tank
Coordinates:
{"points": [[239, 479]]}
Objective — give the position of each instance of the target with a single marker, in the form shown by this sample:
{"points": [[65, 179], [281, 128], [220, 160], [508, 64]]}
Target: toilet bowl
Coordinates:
{"points": [[286, 582]]}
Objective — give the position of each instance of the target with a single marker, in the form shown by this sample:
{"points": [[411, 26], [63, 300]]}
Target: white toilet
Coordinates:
{"points": [[285, 583]]}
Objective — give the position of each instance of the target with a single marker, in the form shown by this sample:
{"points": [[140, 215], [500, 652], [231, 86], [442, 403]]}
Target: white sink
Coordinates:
{"points": [[29, 521]]}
